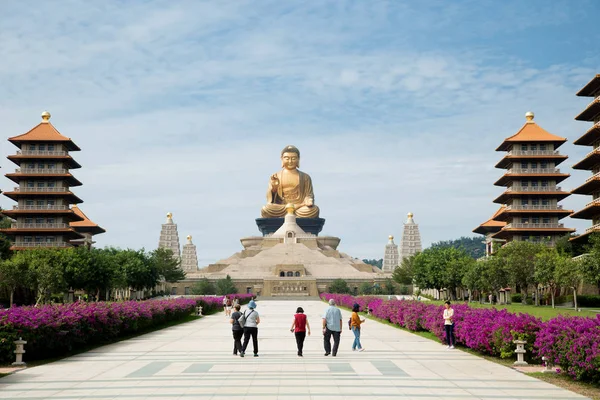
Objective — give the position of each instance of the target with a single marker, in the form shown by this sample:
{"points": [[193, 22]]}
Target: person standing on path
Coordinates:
{"points": [[355, 323], [228, 305], [251, 328], [237, 331], [449, 324], [332, 326], [299, 327]]}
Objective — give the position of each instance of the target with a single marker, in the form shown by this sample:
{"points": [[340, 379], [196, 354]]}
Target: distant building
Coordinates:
{"points": [[591, 162], [411, 239], [189, 257], [532, 212], [43, 216], [169, 237], [391, 258]]}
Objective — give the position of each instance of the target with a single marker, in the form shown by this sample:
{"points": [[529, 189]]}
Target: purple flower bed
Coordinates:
{"points": [[573, 343], [53, 330]]}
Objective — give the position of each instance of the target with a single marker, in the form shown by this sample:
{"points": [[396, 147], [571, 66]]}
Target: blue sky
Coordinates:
{"points": [[395, 106]]}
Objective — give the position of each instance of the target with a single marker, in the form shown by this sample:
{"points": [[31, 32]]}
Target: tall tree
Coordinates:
{"points": [[204, 287], [591, 262], [225, 286], [339, 286], [167, 265], [520, 263], [13, 275], [568, 273], [546, 263], [405, 271]]}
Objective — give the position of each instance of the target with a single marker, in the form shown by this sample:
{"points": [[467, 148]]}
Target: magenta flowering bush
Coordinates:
{"points": [[573, 343], [53, 330]]}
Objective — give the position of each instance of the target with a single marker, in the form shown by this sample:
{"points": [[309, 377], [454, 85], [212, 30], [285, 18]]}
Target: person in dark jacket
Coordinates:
{"points": [[237, 331]]}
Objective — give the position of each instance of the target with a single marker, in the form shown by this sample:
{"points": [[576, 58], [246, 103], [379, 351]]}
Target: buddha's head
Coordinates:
{"points": [[290, 157]]}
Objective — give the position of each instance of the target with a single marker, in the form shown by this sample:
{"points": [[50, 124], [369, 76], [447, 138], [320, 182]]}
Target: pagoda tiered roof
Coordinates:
{"points": [[491, 225], [85, 225], [591, 112], [592, 135], [540, 191], [44, 132], [531, 132], [591, 88]]}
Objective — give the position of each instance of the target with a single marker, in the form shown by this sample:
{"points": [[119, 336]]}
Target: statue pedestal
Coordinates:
{"points": [[267, 226]]}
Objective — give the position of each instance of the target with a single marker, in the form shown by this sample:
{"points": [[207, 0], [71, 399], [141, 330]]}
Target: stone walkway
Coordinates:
{"points": [[195, 361]]}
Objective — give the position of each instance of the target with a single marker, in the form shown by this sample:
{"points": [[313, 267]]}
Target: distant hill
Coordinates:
{"points": [[375, 263], [474, 246]]}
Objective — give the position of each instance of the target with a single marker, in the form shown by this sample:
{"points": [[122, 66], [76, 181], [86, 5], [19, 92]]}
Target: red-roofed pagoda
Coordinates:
{"points": [[43, 216], [591, 162], [531, 197]]}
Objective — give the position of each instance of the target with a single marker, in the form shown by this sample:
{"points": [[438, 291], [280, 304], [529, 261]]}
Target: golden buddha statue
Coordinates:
{"points": [[290, 186]]}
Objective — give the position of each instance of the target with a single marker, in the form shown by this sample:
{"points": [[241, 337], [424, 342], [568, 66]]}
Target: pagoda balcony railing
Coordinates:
{"points": [[518, 188], [593, 202], [41, 153], [519, 152], [595, 176], [534, 225], [41, 207], [44, 171], [39, 226], [596, 150], [41, 244], [517, 170], [41, 189], [534, 207], [593, 228]]}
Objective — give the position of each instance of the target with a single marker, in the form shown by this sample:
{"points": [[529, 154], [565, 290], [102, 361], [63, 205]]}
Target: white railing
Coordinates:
{"points": [[536, 207], [41, 189], [591, 178], [542, 225], [517, 188], [38, 226], [518, 170], [593, 202], [41, 244], [44, 207], [44, 171], [41, 153], [519, 152], [593, 228]]}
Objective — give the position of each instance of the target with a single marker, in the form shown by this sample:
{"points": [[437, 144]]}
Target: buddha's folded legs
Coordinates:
{"points": [[278, 211]]}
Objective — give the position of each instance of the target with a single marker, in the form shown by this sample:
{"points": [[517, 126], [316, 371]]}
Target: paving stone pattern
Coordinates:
{"points": [[195, 361]]}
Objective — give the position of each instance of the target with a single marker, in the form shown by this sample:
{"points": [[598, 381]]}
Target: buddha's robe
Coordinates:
{"points": [[286, 194]]}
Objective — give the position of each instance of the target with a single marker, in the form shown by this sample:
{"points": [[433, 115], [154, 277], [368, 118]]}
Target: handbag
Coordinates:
{"points": [[242, 319]]}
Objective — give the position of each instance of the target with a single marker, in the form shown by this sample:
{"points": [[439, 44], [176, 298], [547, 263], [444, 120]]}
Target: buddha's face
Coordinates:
{"points": [[290, 160]]}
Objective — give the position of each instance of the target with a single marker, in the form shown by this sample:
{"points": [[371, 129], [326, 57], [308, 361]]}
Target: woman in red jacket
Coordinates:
{"points": [[300, 326]]}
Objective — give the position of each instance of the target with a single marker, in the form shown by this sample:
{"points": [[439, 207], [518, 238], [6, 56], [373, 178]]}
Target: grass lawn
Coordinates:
{"points": [[543, 312]]}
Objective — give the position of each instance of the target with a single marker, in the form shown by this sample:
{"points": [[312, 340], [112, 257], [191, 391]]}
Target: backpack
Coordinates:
{"points": [[242, 319], [350, 323]]}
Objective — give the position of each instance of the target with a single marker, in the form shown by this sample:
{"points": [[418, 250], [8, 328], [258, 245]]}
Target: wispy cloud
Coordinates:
{"points": [[396, 107]]}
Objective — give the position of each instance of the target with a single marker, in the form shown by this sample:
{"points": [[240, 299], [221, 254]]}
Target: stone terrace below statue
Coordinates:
{"points": [[195, 361]]}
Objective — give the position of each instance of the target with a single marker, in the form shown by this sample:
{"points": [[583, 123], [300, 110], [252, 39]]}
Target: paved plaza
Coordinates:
{"points": [[195, 361]]}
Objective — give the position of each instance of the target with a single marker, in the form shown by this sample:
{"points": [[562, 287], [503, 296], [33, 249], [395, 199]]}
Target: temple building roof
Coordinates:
{"points": [[491, 225], [531, 132], [44, 132], [86, 225], [591, 88]]}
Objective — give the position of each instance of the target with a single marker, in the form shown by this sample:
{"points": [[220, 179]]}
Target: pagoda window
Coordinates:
{"points": [[51, 165], [534, 184], [50, 147], [50, 220], [32, 147], [535, 220], [524, 183], [40, 202], [51, 184], [282, 274], [524, 220], [28, 239], [524, 164], [41, 147], [535, 202], [542, 147], [31, 165], [50, 239], [543, 164], [533, 165], [533, 147], [524, 147], [29, 220], [544, 183], [39, 220], [297, 273], [29, 202], [51, 202], [30, 184], [41, 184], [290, 273], [39, 239], [546, 220], [40, 166], [545, 202]]}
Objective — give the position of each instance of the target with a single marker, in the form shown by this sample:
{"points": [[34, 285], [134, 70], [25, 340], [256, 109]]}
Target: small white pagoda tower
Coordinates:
{"points": [[411, 239], [391, 258], [169, 237], [189, 257]]}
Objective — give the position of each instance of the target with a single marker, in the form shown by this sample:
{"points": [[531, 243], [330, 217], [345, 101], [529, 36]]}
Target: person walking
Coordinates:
{"points": [[251, 328], [225, 304], [228, 305], [355, 323], [237, 331], [300, 327], [449, 324], [332, 326]]}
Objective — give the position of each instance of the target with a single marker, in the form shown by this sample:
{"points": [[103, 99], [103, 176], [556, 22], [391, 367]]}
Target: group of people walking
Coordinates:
{"points": [[245, 325]]}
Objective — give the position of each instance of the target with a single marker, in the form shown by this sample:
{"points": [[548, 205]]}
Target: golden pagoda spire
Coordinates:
{"points": [[46, 117], [529, 115]]}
